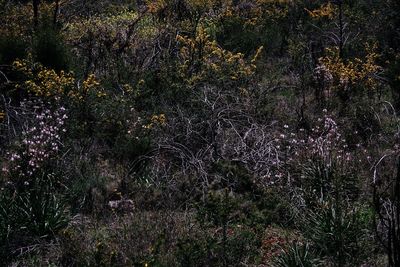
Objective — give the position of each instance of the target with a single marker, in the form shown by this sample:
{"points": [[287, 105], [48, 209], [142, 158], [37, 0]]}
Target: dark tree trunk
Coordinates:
{"points": [[36, 12]]}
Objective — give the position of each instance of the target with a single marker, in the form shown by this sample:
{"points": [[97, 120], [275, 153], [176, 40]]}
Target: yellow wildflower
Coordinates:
{"points": [[325, 10]]}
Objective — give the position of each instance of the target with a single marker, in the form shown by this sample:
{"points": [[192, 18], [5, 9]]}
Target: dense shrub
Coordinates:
{"points": [[49, 48], [12, 48], [297, 255]]}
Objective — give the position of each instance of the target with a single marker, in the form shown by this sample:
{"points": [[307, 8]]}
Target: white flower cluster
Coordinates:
{"points": [[324, 141], [40, 141], [323, 73]]}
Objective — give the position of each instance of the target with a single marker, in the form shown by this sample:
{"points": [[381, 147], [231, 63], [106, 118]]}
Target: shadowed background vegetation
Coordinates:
{"points": [[199, 133]]}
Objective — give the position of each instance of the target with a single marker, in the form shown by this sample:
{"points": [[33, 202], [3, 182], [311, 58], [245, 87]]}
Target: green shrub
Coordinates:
{"points": [[86, 187], [130, 148], [6, 213], [336, 230], [297, 255], [193, 252], [49, 49], [29, 215], [235, 36], [38, 210], [255, 206], [271, 207], [320, 181], [235, 242], [11, 48], [240, 246]]}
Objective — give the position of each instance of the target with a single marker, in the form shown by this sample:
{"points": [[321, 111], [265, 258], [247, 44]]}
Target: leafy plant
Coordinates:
{"points": [[40, 210], [297, 255], [336, 231], [50, 50], [234, 241], [11, 48]]}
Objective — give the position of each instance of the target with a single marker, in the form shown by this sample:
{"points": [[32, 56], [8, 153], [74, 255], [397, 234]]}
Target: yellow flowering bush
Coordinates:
{"points": [[167, 9], [101, 27], [15, 21], [159, 119], [89, 85], [259, 12], [246, 26], [2, 115], [43, 82], [155, 119], [202, 59], [112, 44], [349, 72], [324, 11], [155, 6]]}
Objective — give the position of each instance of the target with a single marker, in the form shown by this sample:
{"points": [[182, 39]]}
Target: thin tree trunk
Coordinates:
{"points": [[36, 13], [56, 10], [341, 29]]}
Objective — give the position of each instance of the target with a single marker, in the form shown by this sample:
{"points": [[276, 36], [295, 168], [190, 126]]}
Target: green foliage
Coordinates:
{"points": [[297, 255], [253, 205], [234, 241], [234, 35], [241, 246], [337, 232], [130, 148], [30, 213], [218, 208], [44, 213], [193, 252], [12, 48], [321, 181], [84, 190], [272, 207], [93, 248], [35, 209], [49, 48]]}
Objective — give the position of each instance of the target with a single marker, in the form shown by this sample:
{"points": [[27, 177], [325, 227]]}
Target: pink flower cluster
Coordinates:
{"points": [[41, 140], [323, 140]]}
